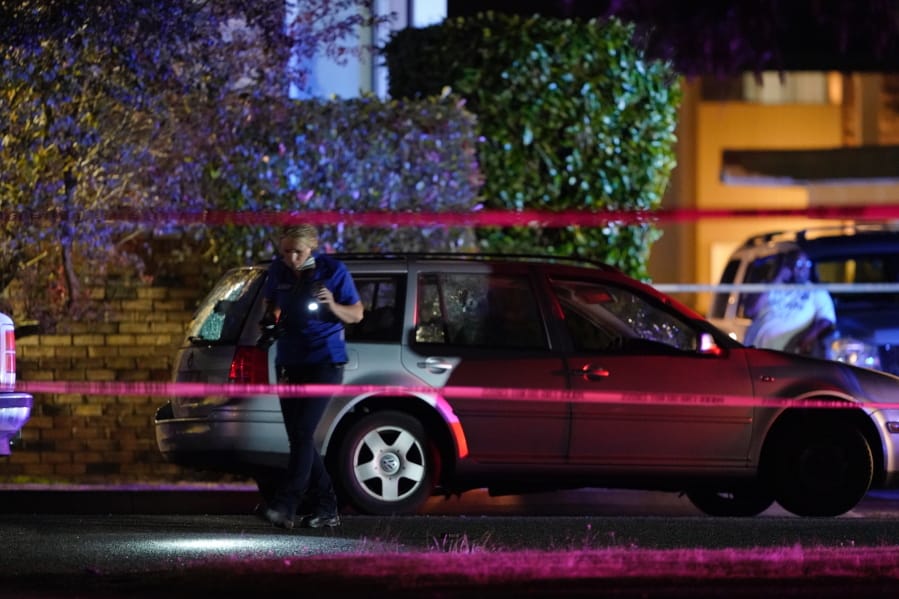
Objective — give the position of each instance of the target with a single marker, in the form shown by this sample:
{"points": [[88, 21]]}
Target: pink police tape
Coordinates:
{"points": [[172, 389], [499, 218]]}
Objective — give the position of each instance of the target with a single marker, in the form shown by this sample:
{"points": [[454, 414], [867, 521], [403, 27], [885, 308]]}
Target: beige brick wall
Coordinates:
{"points": [[888, 120], [89, 439]]}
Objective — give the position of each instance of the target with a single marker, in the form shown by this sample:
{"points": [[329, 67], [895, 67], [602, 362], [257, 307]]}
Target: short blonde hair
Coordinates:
{"points": [[305, 234]]}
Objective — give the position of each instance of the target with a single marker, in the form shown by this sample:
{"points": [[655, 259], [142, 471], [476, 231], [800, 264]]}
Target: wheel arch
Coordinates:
{"points": [[846, 414], [431, 417]]}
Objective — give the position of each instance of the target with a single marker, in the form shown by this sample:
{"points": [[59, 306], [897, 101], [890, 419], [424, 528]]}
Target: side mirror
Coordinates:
{"points": [[707, 345]]}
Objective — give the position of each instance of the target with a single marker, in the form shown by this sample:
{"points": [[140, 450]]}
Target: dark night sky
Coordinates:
{"points": [[848, 35], [550, 8]]}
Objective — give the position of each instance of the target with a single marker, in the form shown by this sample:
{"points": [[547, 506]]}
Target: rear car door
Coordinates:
{"points": [[479, 325]]}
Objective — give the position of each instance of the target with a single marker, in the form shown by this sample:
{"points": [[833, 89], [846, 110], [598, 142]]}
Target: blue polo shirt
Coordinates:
{"points": [[310, 337]]}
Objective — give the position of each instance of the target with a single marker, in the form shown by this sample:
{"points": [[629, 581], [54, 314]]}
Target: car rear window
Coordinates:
{"points": [[221, 315]]}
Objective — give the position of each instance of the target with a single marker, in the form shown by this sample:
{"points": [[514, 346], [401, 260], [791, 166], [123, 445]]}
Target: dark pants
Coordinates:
{"points": [[305, 468]]}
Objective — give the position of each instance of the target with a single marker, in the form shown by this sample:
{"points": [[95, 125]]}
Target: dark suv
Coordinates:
{"points": [[859, 265], [519, 374]]}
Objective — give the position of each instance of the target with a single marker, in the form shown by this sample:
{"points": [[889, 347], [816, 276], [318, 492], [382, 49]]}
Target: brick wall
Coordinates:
{"points": [[91, 439], [888, 119]]}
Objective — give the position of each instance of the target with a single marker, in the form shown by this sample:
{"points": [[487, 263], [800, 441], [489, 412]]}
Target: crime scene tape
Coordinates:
{"points": [[501, 218], [478, 218], [762, 287], [237, 390], [506, 218]]}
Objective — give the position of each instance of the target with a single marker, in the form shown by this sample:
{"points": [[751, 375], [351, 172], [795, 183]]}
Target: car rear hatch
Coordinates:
{"points": [[220, 348]]}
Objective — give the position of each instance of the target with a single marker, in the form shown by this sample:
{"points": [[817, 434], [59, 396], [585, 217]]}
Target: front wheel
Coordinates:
{"points": [[387, 464], [821, 470], [739, 503]]}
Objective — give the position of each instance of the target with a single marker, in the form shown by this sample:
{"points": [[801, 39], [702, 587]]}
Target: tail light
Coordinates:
{"points": [[250, 365], [8, 359]]}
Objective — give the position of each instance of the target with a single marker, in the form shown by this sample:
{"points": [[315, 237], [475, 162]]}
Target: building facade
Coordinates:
{"points": [[795, 111]]}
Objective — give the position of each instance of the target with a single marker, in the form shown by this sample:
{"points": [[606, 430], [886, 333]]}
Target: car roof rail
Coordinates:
{"points": [[808, 233], [849, 229], [475, 256], [763, 238]]}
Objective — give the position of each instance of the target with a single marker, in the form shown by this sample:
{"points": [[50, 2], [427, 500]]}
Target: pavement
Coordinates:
{"points": [[241, 498], [476, 574]]}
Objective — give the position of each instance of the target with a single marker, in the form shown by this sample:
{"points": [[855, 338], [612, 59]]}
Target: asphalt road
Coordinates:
{"points": [[585, 543]]}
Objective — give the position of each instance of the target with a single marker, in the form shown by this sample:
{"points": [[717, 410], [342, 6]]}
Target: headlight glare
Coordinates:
{"points": [[855, 352]]}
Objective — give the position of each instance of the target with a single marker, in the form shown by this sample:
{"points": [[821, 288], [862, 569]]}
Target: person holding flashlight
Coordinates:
{"points": [[309, 297]]}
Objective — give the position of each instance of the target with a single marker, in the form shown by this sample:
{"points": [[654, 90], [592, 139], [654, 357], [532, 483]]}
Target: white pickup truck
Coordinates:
{"points": [[857, 264], [15, 407]]}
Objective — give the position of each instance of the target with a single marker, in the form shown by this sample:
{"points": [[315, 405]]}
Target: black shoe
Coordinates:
{"points": [[273, 517], [321, 521]]}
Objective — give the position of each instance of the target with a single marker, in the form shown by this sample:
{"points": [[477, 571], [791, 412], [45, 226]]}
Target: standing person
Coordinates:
{"points": [[309, 297], [793, 319]]}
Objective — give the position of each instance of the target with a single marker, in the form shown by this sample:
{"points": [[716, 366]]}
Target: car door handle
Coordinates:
{"points": [[436, 364], [592, 372]]}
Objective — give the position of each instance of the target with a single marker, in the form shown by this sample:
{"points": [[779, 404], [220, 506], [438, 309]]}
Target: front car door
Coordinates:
{"points": [[627, 342]]}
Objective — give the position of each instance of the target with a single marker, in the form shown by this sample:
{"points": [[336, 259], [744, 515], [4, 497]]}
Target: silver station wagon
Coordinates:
{"points": [[579, 376]]}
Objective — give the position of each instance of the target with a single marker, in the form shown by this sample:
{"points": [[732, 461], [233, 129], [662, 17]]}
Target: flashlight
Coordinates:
{"points": [[313, 304]]}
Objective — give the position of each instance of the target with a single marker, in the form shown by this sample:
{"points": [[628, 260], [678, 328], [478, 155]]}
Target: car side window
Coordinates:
{"points": [[381, 297], [860, 270], [479, 310], [719, 301], [760, 270], [604, 317]]}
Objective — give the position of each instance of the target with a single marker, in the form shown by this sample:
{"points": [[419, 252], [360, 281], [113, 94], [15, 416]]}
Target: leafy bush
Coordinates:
{"points": [[151, 108], [357, 155], [573, 114]]}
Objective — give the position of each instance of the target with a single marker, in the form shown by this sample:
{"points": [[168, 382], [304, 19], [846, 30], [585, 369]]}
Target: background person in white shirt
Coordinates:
{"points": [[795, 319]]}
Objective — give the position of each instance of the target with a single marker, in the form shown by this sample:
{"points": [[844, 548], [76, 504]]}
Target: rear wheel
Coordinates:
{"points": [[387, 464], [744, 502], [820, 469]]}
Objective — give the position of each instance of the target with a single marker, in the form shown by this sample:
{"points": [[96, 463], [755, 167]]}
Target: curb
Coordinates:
{"points": [[129, 499]]}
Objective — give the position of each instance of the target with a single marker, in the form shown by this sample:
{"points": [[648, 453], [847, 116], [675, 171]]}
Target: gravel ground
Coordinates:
{"points": [[627, 573]]}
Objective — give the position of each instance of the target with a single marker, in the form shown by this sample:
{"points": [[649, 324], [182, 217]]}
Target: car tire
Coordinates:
{"points": [[386, 464], [821, 470], [741, 503]]}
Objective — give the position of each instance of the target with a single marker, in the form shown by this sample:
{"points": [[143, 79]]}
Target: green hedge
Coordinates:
{"points": [[357, 155], [573, 115]]}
